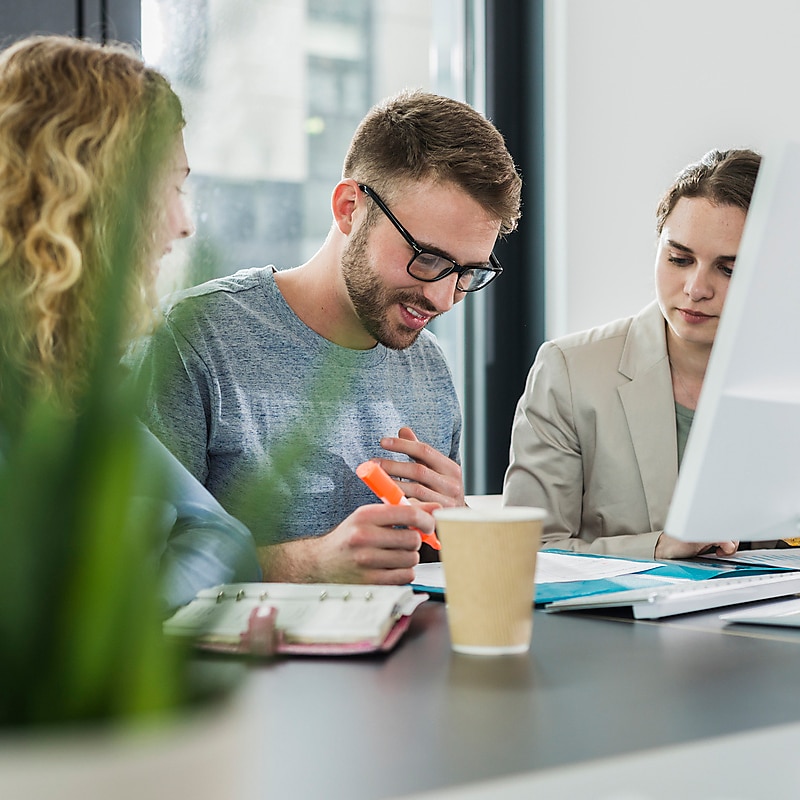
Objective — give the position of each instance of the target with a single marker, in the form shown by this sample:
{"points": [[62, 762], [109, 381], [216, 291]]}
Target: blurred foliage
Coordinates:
{"points": [[79, 604], [80, 625]]}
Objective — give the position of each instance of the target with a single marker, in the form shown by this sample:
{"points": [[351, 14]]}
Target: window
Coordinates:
{"points": [[273, 90]]}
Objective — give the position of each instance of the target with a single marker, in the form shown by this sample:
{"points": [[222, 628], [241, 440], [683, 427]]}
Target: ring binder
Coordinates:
{"points": [[263, 619]]}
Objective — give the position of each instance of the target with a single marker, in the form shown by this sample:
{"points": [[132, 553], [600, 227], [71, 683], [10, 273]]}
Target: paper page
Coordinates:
{"points": [[776, 612], [788, 558], [308, 613], [562, 567], [204, 616], [552, 568], [429, 575]]}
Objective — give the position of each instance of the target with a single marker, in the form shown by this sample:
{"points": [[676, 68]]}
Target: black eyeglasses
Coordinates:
{"points": [[429, 267]]}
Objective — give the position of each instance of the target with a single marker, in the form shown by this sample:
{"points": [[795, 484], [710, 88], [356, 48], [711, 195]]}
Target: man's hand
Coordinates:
{"points": [[667, 547], [431, 477], [375, 544]]}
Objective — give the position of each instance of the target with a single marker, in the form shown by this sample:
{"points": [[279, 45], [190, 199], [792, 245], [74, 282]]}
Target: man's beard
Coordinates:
{"points": [[372, 300]]}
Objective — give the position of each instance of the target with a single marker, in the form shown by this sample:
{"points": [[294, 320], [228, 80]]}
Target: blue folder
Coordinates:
{"points": [[668, 570]]}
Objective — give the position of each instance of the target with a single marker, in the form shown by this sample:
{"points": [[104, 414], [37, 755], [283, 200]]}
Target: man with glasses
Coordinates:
{"points": [[272, 386]]}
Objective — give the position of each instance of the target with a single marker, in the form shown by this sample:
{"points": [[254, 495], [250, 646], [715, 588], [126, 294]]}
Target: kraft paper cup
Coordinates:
{"points": [[489, 559]]}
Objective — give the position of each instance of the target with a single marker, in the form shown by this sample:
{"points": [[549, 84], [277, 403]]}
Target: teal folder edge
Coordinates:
{"points": [[668, 570]]}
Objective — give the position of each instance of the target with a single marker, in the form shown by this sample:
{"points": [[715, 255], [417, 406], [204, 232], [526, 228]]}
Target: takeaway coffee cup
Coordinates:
{"points": [[489, 559]]}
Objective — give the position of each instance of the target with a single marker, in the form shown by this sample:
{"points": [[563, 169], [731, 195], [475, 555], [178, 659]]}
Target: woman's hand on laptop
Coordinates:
{"points": [[667, 547]]}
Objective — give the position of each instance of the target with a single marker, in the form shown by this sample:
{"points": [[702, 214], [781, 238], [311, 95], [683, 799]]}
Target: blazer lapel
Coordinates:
{"points": [[650, 411]]}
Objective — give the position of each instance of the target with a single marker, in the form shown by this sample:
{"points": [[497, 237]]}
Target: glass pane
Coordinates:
{"points": [[273, 91]]}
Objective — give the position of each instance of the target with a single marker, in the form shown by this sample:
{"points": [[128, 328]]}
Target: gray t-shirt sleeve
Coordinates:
{"points": [[177, 387]]}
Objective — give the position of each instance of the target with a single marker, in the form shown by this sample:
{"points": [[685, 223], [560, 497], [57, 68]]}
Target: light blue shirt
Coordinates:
{"points": [[204, 545]]}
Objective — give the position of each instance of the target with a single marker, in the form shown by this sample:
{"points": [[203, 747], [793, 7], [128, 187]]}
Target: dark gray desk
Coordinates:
{"points": [[422, 718]]}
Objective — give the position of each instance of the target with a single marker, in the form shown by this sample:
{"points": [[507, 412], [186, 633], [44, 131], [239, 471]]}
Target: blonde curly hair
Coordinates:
{"points": [[87, 134]]}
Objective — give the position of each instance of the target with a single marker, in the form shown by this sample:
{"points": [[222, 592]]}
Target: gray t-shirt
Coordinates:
{"points": [[683, 424], [272, 417]]}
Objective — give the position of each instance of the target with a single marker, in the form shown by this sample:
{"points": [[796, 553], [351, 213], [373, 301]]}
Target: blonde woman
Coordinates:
{"points": [[92, 166]]}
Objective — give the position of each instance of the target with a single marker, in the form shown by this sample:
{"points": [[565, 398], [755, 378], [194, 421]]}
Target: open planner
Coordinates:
{"points": [[301, 619]]}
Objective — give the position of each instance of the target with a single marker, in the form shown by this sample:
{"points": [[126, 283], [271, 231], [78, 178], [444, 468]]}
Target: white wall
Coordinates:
{"points": [[635, 91]]}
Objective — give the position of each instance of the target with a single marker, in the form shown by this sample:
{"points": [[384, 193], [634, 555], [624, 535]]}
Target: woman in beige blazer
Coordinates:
{"points": [[598, 433]]}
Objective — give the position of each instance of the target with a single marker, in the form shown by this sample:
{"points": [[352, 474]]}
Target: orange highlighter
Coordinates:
{"points": [[376, 477]]}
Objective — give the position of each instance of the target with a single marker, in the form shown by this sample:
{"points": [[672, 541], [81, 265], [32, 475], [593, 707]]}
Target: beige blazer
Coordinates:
{"points": [[594, 439]]}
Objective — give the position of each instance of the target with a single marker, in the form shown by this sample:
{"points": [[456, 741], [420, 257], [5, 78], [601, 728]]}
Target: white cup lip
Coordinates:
{"points": [[499, 514], [487, 650]]}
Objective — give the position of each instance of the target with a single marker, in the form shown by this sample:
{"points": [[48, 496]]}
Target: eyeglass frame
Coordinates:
{"points": [[493, 265]]}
